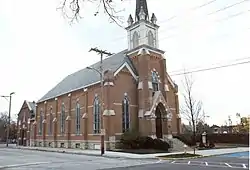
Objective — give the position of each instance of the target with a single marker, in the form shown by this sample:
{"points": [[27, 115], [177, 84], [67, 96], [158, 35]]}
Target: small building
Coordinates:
{"points": [[24, 119]]}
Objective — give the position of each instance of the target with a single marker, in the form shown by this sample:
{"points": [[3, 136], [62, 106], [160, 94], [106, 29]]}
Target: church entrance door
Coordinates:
{"points": [[158, 120]]}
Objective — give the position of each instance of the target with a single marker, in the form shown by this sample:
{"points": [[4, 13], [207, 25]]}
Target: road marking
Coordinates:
{"points": [[244, 166], [159, 161], [228, 165], [24, 164], [172, 162], [206, 163], [188, 162]]}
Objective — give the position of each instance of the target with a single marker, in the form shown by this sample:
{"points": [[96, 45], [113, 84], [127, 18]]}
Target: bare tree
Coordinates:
{"points": [[71, 9], [191, 109]]}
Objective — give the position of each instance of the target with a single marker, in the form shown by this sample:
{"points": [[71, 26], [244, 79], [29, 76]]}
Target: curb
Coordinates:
{"points": [[87, 154], [185, 158]]}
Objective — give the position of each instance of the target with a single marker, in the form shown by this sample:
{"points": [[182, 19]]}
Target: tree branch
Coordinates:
{"points": [[71, 10]]}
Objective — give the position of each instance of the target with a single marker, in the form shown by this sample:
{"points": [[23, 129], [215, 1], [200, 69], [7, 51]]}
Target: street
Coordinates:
{"points": [[228, 161], [17, 159]]}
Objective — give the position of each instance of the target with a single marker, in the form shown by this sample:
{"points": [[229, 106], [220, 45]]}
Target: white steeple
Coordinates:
{"points": [[143, 31]]}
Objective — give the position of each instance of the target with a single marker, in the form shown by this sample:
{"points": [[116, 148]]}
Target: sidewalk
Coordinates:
{"points": [[111, 154]]}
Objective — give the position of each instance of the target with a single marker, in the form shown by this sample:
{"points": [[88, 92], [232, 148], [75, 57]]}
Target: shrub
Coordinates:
{"points": [[201, 145], [160, 145], [211, 144], [133, 140]]}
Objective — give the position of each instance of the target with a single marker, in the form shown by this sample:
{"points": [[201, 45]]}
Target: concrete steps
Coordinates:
{"points": [[178, 146]]}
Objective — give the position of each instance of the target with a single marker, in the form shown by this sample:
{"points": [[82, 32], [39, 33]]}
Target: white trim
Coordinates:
{"points": [[150, 50], [28, 105], [128, 67], [171, 81]]}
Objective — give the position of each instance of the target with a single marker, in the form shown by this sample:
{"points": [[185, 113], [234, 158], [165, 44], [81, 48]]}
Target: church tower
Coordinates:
{"points": [[154, 96], [142, 30]]}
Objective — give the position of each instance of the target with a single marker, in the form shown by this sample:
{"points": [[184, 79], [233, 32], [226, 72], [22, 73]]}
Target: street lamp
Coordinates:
{"points": [[8, 129], [101, 110]]}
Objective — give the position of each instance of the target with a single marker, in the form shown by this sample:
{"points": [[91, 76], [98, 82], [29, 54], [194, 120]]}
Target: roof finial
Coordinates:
{"points": [[130, 20], [141, 4]]}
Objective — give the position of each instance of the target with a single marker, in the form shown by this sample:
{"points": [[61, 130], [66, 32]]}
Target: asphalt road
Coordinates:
{"points": [[229, 161], [16, 159]]}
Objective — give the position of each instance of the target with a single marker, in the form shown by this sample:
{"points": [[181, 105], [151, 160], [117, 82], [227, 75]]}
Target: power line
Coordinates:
{"points": [[229, 6], [195, 8], [175, 16], [211, 68], [198, 67]]}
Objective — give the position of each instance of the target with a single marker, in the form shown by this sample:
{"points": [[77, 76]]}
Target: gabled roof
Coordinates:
{"points": [[30, 105], [85, 77]]}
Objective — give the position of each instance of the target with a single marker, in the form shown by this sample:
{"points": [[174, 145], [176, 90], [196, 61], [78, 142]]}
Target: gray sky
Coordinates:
{"points": [[38, 48]]}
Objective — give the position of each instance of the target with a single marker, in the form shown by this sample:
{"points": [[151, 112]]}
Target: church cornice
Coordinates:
{"points": [[137, 23], [146, 47]]}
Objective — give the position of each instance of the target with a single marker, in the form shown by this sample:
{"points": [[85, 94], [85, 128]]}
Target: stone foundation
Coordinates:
{"points": [[76, 144]]}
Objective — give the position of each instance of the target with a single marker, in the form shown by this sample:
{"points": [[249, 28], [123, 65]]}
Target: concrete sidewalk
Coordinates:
{"points": [[112, 154]]}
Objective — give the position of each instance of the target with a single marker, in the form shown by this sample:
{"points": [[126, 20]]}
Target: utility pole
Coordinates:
{"points": [[8, 128], [101, 52]]}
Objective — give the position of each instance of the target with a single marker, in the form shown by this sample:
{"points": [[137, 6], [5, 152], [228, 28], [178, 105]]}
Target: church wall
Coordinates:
{"points": [[124, 83]]}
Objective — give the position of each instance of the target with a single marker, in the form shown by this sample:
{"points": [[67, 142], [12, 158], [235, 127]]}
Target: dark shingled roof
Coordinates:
{"points": [[85, 77]]}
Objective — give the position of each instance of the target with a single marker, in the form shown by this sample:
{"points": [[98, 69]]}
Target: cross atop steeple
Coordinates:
{"points": [[141, 5]]}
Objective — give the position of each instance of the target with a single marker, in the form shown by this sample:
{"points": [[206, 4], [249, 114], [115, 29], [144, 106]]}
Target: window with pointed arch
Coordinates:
{"points": [[50, 121], [96, 115], [155, 82], [135, 39], [41, 123], [125, 114], [78, 119], [150, 39], [62, 118]]}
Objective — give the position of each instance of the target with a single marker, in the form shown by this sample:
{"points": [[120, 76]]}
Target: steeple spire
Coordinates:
{"points": [[141, 5]]}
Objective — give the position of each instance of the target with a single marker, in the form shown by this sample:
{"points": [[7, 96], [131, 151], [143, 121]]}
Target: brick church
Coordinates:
{"points": [[138, 95]]}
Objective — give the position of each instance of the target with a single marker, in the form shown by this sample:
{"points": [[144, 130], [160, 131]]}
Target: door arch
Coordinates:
{"points": [[159, 111]]}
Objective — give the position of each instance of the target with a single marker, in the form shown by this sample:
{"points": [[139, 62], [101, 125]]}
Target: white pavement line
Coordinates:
{"points": [[159, 161], [206, 163], [25, 164], [244, 166], [172, 162], [188, 162], [228, 165]]}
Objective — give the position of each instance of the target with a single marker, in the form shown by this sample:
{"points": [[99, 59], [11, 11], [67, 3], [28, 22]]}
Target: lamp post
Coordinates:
{"points": [[101, 110], [8, 128]]}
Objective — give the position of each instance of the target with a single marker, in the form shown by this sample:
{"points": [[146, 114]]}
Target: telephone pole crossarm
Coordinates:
{"points": [[101, 72]]}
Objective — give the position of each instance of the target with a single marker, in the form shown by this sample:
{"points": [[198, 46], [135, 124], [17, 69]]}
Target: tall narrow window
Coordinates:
{"points": [[41, 123], [63, 119], [50, 121], [78, 119], [125, 114], [135, 40], [155, 82], [150, 39], [96, 110]]}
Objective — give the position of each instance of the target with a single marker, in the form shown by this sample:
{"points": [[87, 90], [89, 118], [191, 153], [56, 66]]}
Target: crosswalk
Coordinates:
{"points": [[213, 164]]}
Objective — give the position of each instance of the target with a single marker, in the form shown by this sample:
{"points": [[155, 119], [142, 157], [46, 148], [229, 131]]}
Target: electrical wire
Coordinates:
{"points": [[205, 4], [198, 67], [211, 68]]}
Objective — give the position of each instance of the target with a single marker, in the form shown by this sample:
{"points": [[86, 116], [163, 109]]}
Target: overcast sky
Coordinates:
{"points": [[38, 48]]}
